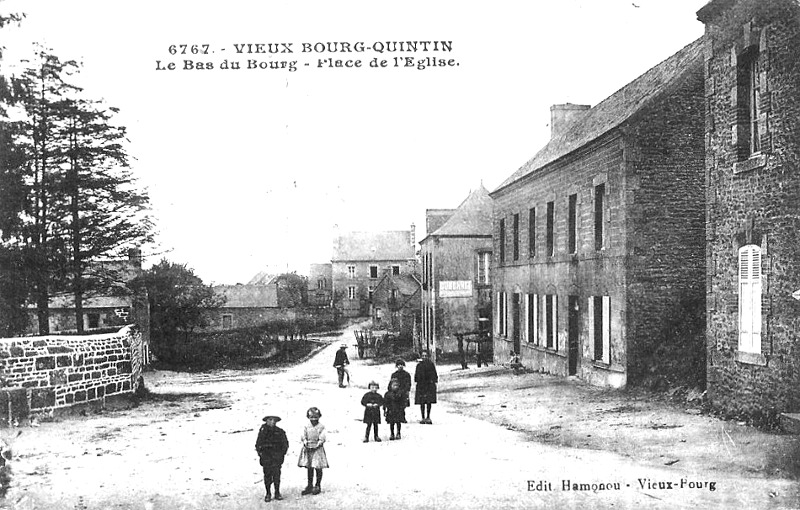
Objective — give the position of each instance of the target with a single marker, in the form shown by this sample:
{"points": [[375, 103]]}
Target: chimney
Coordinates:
{"points": [[135, 257], [413, 235], [561, 115]]}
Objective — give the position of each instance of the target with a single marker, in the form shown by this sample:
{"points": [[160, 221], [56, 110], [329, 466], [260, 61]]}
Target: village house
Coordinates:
{"points": [[358, 262], [456, 272], [599, 239], [752, 133], [396, 303], [320, 285], [244, 306], [114, 304]]}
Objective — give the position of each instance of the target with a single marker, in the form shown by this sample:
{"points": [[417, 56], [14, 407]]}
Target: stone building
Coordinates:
{"points": [[456, 271], [358, 262], [320, 285], [112, 304], [599, 241], [396, 303], [752, 133], [244, 306]]}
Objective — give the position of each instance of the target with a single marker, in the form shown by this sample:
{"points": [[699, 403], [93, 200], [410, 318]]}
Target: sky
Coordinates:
{"points": [[254, 170]]}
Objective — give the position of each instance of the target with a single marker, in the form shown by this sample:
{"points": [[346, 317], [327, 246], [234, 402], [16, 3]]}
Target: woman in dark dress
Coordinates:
{"points": [[426, 378]]}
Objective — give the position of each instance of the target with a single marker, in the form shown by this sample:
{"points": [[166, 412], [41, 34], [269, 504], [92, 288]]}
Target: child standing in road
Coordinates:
{"points": [[394, 402], [372, 402], [312, 456], [271, 447]]}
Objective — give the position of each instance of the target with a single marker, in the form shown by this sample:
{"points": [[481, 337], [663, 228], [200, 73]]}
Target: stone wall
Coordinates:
{"points": [[46, 373], [753, 199]]}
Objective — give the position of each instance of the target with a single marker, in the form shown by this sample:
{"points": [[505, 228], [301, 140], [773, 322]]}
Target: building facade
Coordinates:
{"points": [[359, 261], [599, 242], [456, 262], [396, 304], [752, 75], [320, 285]]}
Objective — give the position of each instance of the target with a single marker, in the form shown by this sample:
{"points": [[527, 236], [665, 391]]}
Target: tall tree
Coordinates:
{"points": [[179, 301], [41, 90], [105, 212]]}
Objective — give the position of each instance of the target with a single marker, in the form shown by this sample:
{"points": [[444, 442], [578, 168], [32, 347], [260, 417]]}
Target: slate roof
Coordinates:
{"points": [[262, 278], [386, 245], [248, 296], [472, 217], [618, 108]]}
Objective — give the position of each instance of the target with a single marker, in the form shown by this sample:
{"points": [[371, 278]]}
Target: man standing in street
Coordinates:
{"points": [[341, 362]]}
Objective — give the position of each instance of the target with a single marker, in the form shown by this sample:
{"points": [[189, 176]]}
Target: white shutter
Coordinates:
{"points": [[526, 329], [591, 327], [555, 322], [536, 319], [497, 322], [750, 299], [607, 329]]}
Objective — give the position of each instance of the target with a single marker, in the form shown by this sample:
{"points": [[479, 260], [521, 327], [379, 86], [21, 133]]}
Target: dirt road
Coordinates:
{"points": [[190, 446]]}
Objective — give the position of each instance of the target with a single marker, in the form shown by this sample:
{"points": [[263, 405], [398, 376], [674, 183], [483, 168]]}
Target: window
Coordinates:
{"points": [[599, 199], [502, 319], [532, 232], [373, 271], [351, 292], [93, 320], [748, 92], [394, 294], [750, 299], [600, 327], [502, 241], [515, 226], [551, 320], [227, 321], [370, 292], [395, 270], [321, 283], [484, 267], [532, 313], [550, 231], [351, 272], [572, 215]]}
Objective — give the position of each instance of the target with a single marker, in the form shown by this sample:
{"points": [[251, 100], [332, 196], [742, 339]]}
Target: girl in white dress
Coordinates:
{"points": [[312, 456]]}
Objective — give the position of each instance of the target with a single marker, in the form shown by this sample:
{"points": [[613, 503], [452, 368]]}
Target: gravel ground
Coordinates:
{"points": [[498, 440]]}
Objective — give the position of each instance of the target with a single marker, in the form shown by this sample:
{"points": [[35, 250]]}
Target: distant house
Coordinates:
{"points": [[358, 262], [245, 306], [117, 303], [599, 239], [396, 303], [456, 271], [320, 285]]}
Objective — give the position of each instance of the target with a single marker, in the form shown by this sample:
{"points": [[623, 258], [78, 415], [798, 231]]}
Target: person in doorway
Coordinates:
{"points": [[271, 446], [312, 456], [426, 378], [372, 402], [403, 377], [394, 403], [340, 361]]}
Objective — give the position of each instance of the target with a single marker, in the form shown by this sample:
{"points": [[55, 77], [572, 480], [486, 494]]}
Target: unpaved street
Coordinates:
{"points": [[191, 446]]}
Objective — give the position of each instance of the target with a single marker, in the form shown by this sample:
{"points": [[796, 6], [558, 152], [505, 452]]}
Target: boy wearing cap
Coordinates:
{"points": [[340, 361], [271, 447]]}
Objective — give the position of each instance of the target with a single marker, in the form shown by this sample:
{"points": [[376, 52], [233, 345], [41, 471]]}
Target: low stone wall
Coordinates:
{"points": [[45, 373]]}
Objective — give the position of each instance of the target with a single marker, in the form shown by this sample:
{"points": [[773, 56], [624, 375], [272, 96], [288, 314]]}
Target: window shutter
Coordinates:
{"points": [[526, 318], [750, 299], [555, 322], [536, 319], [591, 326], [607, 329]]}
